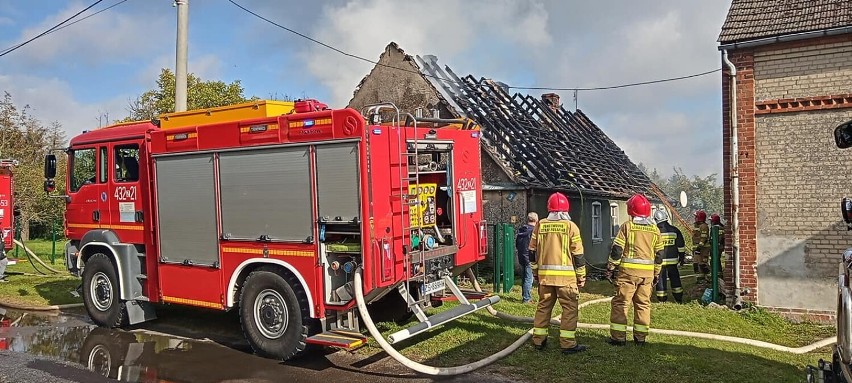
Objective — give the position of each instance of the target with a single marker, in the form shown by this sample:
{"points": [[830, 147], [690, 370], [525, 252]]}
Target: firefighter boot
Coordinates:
{"points": [[616, 342], [541, 346], [678, 297]]}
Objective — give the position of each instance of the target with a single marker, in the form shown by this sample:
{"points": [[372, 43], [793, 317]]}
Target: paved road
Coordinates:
{"points": [[68, 348]]}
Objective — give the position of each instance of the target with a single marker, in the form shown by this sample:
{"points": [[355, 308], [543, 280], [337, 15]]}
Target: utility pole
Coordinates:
{"points": [[181, 54]]}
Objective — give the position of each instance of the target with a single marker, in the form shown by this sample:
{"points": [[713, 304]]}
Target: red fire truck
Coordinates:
{"points": [[7, 202], [269, 208]]}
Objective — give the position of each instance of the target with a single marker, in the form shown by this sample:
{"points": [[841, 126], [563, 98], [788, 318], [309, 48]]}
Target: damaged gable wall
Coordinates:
{"points": [[406, 88]]}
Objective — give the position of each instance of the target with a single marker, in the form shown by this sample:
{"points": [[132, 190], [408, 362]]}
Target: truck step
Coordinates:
{"points": [[345, 339], [469, 294]]}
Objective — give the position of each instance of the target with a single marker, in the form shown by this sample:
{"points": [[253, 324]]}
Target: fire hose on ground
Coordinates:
{"points": [[463, 369], [32, 255]]}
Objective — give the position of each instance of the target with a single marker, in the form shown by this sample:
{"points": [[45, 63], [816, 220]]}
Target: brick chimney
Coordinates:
{"points": [[551, 100]]}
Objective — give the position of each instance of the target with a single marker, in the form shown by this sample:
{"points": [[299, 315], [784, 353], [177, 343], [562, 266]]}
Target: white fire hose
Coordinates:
{"points": [[419, 367], [458, 370]]}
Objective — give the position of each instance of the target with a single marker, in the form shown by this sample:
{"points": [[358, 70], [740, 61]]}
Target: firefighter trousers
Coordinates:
{"points": [[669, 272], [631, 289], [568, 297], [701, 264]]}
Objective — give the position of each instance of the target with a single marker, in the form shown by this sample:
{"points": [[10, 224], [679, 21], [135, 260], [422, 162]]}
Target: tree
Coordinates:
{"points": [[200, 95], [26, 139], [703, 193]]}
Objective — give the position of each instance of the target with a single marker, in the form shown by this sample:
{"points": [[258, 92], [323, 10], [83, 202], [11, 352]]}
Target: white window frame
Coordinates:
{"points": [[597, 225], [615, 220]]}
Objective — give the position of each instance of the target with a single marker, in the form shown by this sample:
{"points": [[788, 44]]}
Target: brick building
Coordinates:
{"points": [[531, 146], [793, 63]]}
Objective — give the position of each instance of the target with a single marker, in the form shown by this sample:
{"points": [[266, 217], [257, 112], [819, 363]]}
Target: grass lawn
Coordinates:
{"points": [[52, 289], [664, 359]]}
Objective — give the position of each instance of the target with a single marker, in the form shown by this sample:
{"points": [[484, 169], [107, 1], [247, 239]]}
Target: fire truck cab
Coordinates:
{"points": [[269, 208]]}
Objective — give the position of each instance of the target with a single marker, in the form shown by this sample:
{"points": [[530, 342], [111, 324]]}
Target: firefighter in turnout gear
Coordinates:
{"points": [[561, 271], [637, 258], [701, 245], [673, 257]]}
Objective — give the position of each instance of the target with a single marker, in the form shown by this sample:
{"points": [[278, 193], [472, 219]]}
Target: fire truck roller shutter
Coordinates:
{"points": [[337, 182], [266, 193], [187, 209]]}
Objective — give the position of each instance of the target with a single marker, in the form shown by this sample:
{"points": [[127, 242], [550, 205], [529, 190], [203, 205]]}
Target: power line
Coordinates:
{"points": [[55, 27], [335, 49], [77, 21], [622, 85], [93, 14]]}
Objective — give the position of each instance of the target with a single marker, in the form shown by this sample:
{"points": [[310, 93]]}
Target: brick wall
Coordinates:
{"points": [[791, 175], [744, 61], [804, 71]]}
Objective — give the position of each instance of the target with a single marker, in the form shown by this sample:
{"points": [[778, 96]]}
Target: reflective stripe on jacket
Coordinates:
{"points": [[640, 244], [559, 252]]}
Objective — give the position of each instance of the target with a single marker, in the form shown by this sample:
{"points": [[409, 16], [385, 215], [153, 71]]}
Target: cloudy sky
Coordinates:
{"points": [[91, 69]]}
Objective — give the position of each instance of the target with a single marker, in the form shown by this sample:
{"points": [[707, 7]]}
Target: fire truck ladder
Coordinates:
{"points": [[404, 197]]}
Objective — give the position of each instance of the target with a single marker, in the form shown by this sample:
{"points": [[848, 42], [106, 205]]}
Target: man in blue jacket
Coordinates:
{"points": [[525, 256]]}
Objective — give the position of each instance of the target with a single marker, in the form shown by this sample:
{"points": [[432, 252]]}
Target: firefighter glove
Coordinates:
{"points": [[581, 282]]}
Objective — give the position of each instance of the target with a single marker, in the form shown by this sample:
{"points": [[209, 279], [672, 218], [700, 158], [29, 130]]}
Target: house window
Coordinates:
{"points": [[597, 228], [614, 220]]}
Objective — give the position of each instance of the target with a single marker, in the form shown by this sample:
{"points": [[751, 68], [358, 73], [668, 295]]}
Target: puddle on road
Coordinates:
{"points": [[16, 318], [134, 356]]}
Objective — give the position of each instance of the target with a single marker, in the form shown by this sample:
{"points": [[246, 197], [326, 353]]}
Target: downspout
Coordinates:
{"points": [[735, 181]]}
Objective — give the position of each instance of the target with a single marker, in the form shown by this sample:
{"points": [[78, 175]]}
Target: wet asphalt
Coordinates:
{"points": [[183, 345]]}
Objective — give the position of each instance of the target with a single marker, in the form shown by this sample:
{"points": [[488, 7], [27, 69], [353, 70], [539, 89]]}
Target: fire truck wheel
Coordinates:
{"points": [[101, 292], [271, 316]]}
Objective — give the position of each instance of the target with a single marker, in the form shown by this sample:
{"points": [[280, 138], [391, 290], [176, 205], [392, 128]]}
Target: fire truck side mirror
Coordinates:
{"points": [[50, 166]]}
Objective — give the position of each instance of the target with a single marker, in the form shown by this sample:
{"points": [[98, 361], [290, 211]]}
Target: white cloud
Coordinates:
{"points": [[52, 99], [558, 44], [110, 37], [446, 28]]}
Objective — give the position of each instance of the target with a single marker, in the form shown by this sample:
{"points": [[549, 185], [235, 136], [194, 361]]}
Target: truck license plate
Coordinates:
{"points": [[434, 287]]}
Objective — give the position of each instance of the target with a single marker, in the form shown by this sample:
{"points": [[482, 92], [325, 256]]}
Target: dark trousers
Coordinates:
{"points": [[669, 272]]}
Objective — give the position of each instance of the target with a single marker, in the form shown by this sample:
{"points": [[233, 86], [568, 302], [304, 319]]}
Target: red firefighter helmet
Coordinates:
{"points": [[700, 216], [715, 219], [638, 206], [558, 202]]}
